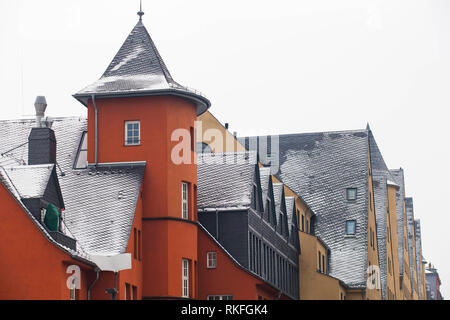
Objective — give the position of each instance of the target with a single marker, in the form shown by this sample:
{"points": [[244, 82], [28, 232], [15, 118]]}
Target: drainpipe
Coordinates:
{"points": [[96, 130], [93, 283], [114, 291]]}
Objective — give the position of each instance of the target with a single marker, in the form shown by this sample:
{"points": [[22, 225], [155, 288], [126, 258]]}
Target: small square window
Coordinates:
{"points": [[211, 258], [351, 227], [132, 133], [351, 193]]}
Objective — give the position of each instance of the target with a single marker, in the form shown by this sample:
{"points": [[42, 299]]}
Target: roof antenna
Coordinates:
{"points": [[140, 13]]}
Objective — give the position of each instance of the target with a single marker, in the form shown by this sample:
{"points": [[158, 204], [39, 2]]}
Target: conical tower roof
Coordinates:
{"points": [[139, 70]]}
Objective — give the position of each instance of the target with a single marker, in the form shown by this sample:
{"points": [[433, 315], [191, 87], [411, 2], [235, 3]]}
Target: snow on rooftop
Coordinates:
{"points": [[22, 176], [128, 58]]}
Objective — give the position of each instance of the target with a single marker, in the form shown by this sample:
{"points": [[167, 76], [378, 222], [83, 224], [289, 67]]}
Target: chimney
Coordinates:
{"points": [[42, 140], [227, 126]]}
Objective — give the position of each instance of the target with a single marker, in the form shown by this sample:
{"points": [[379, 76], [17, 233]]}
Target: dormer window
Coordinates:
{"points": [[81, 160], [132, 133], [351, 194]]}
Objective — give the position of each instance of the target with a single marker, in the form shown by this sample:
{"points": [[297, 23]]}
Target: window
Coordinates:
{"points": [[73, 290], [139, 245], [132, 133], [323, 263], [320, 262], [81, 160], [217, 297], [351, 193], [303, 223], [203, 148], [185, 278], [211, 260], [134, 293], [193, 144], [184, 201], [351, 227], [135, 243], [128, 294]]}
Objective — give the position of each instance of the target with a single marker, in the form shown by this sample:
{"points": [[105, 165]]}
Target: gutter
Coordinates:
{"points": [[202, 103]]}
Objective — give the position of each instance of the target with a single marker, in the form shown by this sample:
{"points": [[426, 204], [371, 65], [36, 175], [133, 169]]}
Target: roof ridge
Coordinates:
{"points": [[34, 119], [160, 60], [311, 133]]}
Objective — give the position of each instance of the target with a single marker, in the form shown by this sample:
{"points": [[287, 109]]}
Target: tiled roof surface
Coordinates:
{"points": [[319, 167], [290, 203], [278, 192], [29, 181], [99, 208], [138, 68], [264, 176], [411, 237], [380, 196], [418, 234], [225, 180], [381, 177], [400, 180]]}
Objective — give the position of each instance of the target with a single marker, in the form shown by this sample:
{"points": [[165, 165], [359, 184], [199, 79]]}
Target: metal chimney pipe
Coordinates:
{"points": [[40, 105]]}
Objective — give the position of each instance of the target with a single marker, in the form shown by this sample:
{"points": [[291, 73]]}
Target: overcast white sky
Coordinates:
{"points": [[268, 67]]}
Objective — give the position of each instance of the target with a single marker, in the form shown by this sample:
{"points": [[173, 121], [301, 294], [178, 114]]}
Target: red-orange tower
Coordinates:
{"points": [[135, 110]]}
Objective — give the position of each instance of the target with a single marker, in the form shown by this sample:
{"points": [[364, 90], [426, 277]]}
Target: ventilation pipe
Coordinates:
{"points": [[40, 105]]}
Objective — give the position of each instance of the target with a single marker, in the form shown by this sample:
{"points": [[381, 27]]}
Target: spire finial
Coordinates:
{"points": [[140, 13]]}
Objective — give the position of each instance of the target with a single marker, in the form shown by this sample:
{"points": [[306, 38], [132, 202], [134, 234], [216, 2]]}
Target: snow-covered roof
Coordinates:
{"points": [[99, 205], [290, 204], [139, 70], [399, 178], [320, 167], [409, 206], [29, 181], [225, 180], [264, 176]]}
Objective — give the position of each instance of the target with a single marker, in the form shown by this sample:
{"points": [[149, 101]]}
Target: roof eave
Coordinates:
{"points": [[202, 103]]}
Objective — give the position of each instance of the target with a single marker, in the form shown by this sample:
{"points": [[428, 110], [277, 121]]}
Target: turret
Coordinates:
{"points": [[138, 112]]}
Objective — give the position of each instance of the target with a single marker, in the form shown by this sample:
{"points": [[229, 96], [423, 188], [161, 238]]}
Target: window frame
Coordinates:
{"points": [[211, 257], [132, 122], [347, 194], [185, 278], [185, 201], [84, 137], [347, 229]]}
